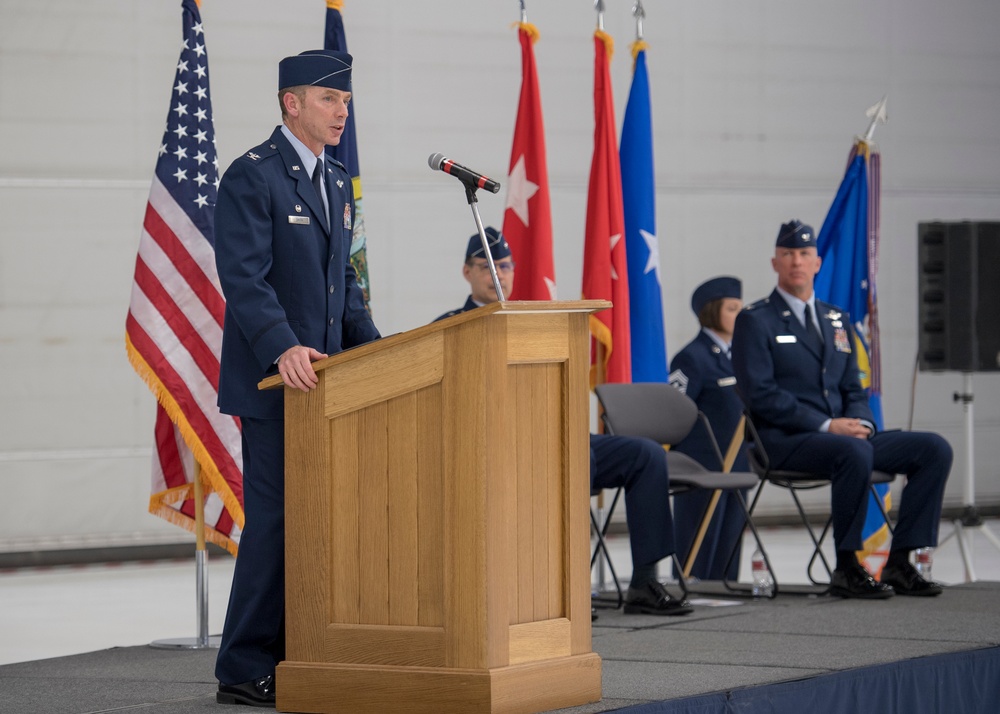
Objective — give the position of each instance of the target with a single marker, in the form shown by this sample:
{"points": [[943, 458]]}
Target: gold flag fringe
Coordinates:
{"points": [[637, 47], [216, 483], [530, 29], [601, 333], [608, 40], [335, 4]]}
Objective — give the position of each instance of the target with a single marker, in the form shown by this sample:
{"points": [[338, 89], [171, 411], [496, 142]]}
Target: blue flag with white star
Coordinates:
{"points": [[649, 346]]}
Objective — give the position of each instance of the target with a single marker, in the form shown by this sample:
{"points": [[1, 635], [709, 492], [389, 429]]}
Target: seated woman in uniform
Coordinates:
{"points": [[703, 370]]}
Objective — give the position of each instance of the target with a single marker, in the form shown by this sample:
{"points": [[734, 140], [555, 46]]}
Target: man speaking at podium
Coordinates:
{"points": [[283, 228]]}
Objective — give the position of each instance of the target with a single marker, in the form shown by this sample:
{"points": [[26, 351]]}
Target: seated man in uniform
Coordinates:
{"points": [[797, 373], [639, 465]]}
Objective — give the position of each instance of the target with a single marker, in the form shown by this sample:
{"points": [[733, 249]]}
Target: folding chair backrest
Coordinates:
{"points": [[655, 410]]}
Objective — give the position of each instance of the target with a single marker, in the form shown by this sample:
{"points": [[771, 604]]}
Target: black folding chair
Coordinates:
{"points": [[794, 482], [660, 412]]}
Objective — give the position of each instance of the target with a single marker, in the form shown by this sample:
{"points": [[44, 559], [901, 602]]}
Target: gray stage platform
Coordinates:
{"points": [[646, 659]]}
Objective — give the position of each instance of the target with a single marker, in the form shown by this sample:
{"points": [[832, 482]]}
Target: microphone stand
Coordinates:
{"points": [[470, 194]]}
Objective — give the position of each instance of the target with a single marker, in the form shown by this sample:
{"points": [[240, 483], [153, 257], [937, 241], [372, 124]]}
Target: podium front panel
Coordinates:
{"points": [[439, 492]]}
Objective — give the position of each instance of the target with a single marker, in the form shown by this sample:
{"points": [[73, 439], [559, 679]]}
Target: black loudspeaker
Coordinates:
{"points": [[959, 300]]}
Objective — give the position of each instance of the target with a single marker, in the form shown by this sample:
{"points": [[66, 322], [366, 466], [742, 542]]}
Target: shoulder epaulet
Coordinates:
{"points": [[261, 151], [759, 304], [334, 162]]}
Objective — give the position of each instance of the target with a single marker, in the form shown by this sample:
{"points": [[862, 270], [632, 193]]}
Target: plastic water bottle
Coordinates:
{"points": [[923, 558], [763, 581]]}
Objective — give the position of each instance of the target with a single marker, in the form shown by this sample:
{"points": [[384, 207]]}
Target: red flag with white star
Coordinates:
{"points": [[605, 264], [527, 220]]}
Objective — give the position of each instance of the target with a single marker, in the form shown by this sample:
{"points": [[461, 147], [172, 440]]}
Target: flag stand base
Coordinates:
{"points": [[188, 643], [203, 641]]}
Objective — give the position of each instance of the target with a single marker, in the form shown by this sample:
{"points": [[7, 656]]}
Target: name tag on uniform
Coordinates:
{"points": [[727, 381], [786, 339], [299, 220]]}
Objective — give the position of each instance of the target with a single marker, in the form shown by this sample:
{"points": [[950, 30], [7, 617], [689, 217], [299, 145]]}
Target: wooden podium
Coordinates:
{"points": [[437, 534]]}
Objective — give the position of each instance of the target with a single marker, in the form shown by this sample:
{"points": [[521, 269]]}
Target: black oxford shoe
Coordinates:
{"points": [[905, 580], [257, 693], [855, 582], [653, 599]]}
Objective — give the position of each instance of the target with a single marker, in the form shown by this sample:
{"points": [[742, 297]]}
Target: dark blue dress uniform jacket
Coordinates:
{"points": [[811, 385], [283, 271], [708, 380]]}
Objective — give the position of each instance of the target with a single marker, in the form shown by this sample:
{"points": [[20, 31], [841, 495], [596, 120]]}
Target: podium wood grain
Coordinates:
{"points": [[437, 533]]}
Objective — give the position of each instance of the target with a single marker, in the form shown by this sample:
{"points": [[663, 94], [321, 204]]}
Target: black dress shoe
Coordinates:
{"points": [[653, 599], [905, 580], [855, 582], [257, 693]]}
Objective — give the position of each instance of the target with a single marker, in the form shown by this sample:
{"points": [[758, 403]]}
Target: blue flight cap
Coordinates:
{"points": [[796, 234], [498, 245], [724, 286], [316, 68]]}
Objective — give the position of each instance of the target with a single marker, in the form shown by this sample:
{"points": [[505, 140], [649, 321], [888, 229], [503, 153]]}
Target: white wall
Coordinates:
{"points": [[755, 106]]}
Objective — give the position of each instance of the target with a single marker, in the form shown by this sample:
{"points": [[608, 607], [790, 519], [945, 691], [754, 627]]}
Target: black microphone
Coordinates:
{"points": [[439, 163]]}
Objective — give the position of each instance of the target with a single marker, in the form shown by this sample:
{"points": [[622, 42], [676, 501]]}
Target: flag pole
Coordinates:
{"points": [[639, 14], [202, 641]]}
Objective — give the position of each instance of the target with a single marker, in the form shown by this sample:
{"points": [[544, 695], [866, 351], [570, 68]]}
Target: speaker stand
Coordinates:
{"points": [[970, 519]]}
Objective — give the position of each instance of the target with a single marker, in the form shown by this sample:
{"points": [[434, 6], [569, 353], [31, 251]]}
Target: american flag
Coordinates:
{"points": [[173, 332]]}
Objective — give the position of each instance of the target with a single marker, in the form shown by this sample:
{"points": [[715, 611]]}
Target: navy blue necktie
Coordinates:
{"points": [[814, 333], [317, 179]]}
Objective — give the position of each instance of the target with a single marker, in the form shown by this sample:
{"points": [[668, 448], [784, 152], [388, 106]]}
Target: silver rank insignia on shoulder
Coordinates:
{"points": [[340, 184], [252, 155], [299, 220]]}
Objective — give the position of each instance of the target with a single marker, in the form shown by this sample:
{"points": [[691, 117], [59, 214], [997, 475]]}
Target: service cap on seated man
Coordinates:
{"points": [[498, 245], [796, 234], [719, 288], [316, 68]]}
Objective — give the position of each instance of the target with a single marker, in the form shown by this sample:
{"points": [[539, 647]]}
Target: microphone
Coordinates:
{"points": [[439, 163]]}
